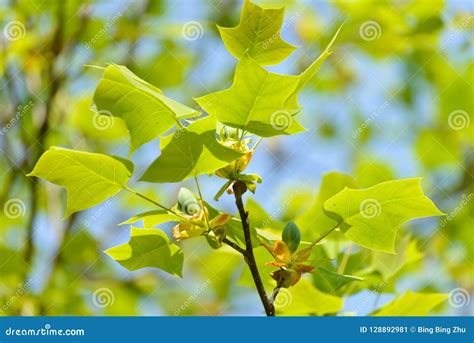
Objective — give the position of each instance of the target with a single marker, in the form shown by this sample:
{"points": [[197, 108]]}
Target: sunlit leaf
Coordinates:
{"points": [[190, 152], [88, 178], [147, 112], [371, 217], [305, 299], [148, 248], [258, 35], [412, 304]]}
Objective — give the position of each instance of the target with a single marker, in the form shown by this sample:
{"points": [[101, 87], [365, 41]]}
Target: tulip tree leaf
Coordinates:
{"points": [[258, 35], [309, 72], [188, 152], [305, 299], [371, 217], [147, 112], [148, 248], [412, 304], [388, 264], [89, 178], [331, 281], [256, 101], [314, 221]]}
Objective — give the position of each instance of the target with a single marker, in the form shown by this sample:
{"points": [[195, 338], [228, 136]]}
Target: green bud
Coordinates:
{"points": [[187, 202], [291, 236], [229, 133], [215, 237]]}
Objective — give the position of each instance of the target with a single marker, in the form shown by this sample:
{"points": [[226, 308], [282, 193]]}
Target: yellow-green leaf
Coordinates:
{"points": [[305, 299], [188, 152], [148, 248], [147, 112], [412, 304], [256, 101], [258, 35], [89, 178], [371, 217]]}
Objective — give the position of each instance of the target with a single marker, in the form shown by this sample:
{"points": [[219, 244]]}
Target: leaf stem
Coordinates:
{"points": [[257, 143], [324, 235], [155, 203], [201, 200], [239, 189]]}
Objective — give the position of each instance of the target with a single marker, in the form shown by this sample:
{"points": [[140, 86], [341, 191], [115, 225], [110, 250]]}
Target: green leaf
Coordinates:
{"points": [[147, 112], [256, 101], [309, 73], [371, 217], [291, 236], [148, 248], [88, 178], [412, 304], [153, 218], [190, 152], [330, 281], [314, 221], [258, 35], [388, 264], [305, 299]]}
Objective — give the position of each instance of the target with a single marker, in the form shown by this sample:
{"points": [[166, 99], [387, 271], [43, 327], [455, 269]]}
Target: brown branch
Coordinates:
{"points": [[239, 189], [233, 245]]}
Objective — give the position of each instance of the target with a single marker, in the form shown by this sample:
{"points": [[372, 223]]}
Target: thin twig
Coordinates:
{"points": [[239, 188], [233, 245]]}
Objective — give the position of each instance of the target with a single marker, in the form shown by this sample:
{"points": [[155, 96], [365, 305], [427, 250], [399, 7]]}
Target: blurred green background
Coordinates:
{"points": [[394, 100]]}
